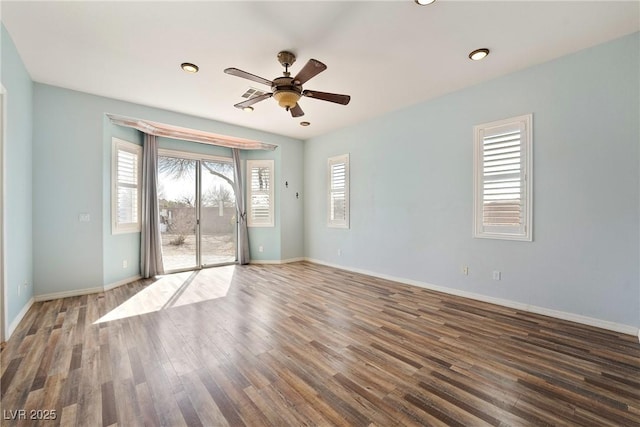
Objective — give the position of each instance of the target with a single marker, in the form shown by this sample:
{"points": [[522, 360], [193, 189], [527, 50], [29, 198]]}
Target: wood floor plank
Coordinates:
{"points": [[109, 415], [126, 400], [221, 399], [305, 344], [233, 385], [68, 417], [147, 414], [8, 374]]}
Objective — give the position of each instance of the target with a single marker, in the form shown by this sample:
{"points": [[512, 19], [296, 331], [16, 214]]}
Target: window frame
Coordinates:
{"points": [[338, 223], [524, 232], [269, 164], [117, 146]]}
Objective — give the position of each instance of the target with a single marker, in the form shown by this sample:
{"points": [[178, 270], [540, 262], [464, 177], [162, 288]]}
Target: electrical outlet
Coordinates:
{"points": [[465, 270], [496, 275], [125, 263], [260, 248]]}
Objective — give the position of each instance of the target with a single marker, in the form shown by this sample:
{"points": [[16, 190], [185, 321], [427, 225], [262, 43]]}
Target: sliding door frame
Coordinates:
{"points": [[199, 158]]}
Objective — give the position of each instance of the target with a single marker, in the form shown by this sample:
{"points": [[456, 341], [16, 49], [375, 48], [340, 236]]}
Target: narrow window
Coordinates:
{"points": [[126, 192], [338, 194], [502, 163], [260, 206]]}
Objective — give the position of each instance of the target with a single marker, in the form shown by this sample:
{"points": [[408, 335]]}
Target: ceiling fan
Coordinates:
{"points": [[288, 90]]}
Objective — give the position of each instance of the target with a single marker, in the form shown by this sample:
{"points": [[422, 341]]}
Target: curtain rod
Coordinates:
{"points": [[161, 129]]}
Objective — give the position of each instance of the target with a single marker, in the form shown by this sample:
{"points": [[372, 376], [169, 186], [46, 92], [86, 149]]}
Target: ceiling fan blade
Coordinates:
{"points": [[312, 68], [331, 97], [296, 111], [249, 76], [253, 100]]}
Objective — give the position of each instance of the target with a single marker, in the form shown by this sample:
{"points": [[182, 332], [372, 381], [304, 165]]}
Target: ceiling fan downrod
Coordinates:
{"points": [[286, 59]]}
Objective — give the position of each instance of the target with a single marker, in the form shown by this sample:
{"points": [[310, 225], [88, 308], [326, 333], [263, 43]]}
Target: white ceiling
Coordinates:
{"points": [[386, 55]]}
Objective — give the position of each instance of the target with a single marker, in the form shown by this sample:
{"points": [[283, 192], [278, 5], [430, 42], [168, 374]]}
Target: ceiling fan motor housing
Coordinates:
{"points": [[286, 92]]}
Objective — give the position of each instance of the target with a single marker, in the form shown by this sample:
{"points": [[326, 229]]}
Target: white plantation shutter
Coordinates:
{"points": [[127, 159], [338, 203], [127, 187], [260, 206], [503, 181], [338, 195]]}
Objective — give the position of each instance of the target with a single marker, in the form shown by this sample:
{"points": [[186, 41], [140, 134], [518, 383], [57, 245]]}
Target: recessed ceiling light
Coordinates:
{"points": [[305, 123], [424, 2], [248, 109], [479, 54], [189, 67]]}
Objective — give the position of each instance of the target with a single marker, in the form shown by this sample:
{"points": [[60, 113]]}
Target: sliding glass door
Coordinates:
{"points": [[217, 213], [197, 211], [177, 201]]}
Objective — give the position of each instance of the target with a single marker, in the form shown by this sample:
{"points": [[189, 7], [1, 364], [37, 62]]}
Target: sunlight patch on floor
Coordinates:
{"points": [[174, 290]]}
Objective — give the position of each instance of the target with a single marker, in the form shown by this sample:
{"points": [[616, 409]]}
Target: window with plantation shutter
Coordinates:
{"points": [[260, 197], [503, 182], [125, 192], [338, 194]]}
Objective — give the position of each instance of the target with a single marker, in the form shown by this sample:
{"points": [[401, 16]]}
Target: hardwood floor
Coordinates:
{"points": [[303, 344]]}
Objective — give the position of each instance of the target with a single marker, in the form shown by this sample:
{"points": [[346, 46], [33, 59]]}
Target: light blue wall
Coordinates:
{"points": [[67, 176], [411, 189], [292, 208], [117, 247], [72, 154], [18, 181]]}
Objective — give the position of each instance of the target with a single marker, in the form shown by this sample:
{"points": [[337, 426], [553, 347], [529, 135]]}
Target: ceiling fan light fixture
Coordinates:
{"points": [[287, 90], [479, 54], [287, 98], [189, 67], [424, 2], [247, 109], [305, 123]]}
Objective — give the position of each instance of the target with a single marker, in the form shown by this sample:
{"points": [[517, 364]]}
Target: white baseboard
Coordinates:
{"points": [[585, 320], [278, 261], [119, 283], [67, 294], [14, 324], [86, 291]]}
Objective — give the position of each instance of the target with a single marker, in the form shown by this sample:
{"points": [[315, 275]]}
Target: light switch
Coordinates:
{"points": [[84, 217]]}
